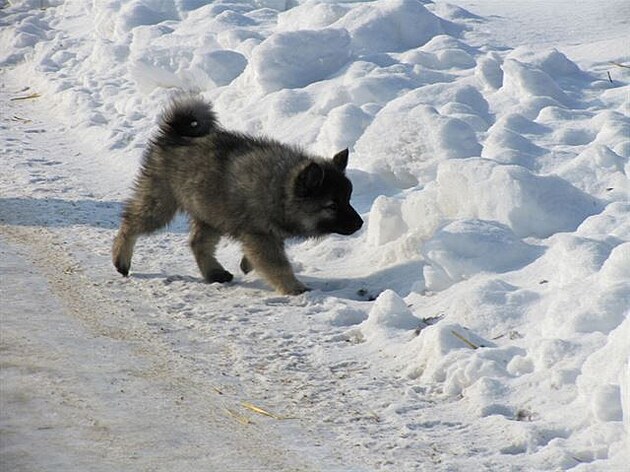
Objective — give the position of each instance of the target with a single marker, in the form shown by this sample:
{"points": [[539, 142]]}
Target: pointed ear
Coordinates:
{"points": [[341, 160], [309, 179]]}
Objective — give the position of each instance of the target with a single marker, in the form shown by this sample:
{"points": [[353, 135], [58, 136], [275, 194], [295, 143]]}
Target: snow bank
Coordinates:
{"points": [[444, 353], [602, 376], [296, 59], [512, 195], [311, 14], [389, 314], [491, 282], [389, 25], [464, 248], [482, 189], [136, 13], [412, 150], [603, 391], [524, 80]]}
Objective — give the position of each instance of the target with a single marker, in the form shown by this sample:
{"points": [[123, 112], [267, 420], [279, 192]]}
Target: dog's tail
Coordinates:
{"points": [[187, 116]]}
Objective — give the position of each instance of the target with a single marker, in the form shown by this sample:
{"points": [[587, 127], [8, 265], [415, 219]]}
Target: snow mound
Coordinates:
{"points": [[343, 126], [606, 179], [464, 248], [603, 384], [297, 59], [617, 265], [425, 137], [142, 12], [592, 285], [222, 66], [524, 80], [511, 197], [551, 61], [386, 221], [489, 73], [452, 355], [368, 84], [19, 36], [389, 26], [493, 181], [311, 14], [530, 204], [389, 315], [442, 52]]}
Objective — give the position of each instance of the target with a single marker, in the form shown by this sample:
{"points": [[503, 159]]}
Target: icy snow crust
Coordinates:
{"points": [[479, 322]]}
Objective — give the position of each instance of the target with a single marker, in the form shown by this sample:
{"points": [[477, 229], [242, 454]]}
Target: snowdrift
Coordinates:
{"points": [[493, 272]]}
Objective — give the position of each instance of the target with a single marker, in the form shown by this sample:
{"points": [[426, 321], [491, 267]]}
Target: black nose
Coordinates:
{"points": [[354, 223]]}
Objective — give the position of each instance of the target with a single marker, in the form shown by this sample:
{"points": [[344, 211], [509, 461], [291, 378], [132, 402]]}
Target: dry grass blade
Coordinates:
{"points": [[238, 417], [464, 340], [260, 411], [27, 97], [21, 120], [618, 64]]}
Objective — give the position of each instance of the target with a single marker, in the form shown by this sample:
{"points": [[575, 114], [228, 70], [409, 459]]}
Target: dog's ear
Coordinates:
{"points": [[341, 160], [310, 179]]}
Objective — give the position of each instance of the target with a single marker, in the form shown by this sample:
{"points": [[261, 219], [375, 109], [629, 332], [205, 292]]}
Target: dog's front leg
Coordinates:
{"points": [[203, 242], [267, 256]]}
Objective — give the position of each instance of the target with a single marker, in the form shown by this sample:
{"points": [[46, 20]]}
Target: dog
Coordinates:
{"points": [[252, 189]]}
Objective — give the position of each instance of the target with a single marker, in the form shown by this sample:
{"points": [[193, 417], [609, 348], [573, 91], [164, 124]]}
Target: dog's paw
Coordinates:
{"points": [[122, 268], [122, 264], [122, 251], [219, 275], [294, 289]]}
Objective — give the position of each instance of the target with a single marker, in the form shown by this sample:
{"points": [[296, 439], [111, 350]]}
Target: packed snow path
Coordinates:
{"points": [[84, 392], [479, 322], [87, 385]]}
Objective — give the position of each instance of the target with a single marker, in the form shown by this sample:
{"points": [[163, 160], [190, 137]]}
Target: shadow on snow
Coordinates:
{"points": [[60, 213]]}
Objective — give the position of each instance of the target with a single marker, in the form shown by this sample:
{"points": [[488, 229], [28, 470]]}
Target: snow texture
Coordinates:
{"points": [[479, 321]]}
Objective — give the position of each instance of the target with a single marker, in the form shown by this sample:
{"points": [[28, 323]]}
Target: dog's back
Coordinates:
{"points": [[236, 181]]}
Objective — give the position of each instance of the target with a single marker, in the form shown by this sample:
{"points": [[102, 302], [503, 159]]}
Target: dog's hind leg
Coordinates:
{"points": [[203, 242], [150, 208], [266, 254]]}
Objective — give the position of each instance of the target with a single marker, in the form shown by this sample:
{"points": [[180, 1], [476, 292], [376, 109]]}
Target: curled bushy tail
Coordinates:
{"points": [[186, 116]]}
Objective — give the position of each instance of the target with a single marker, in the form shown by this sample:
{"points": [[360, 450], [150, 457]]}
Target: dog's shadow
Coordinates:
{"points": [[400, 277], [167, 279], [53, 212]]}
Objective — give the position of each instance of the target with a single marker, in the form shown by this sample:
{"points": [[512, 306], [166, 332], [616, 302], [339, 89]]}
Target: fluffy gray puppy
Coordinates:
{"points": [[255, 190]]}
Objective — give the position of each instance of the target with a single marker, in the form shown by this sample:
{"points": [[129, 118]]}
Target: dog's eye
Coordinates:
{"points": [[331, 207]]}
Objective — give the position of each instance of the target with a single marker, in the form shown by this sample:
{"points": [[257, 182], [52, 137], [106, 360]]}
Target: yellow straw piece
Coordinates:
{"points": [[27, 97], [464, 340], [238, 417], [260, 411]]}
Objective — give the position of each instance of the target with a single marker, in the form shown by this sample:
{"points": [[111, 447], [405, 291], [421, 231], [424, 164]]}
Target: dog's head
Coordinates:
{"points": [[322, 192]]}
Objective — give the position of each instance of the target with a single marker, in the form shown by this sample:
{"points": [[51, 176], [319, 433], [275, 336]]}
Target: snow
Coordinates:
{"points": [[480, 319], [295, 59], [464, 248], [391, 26], [71, 399]]}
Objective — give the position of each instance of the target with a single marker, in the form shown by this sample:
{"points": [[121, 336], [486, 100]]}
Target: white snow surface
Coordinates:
{"points": [[479, 321]]}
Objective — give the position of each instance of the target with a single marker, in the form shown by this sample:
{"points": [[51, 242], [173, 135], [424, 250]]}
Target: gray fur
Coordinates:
{"points": [[255, 190]]}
